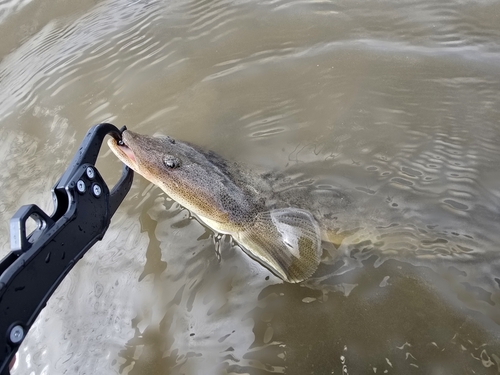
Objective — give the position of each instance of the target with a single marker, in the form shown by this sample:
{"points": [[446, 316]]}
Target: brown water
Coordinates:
{"points": [[394, 102]]}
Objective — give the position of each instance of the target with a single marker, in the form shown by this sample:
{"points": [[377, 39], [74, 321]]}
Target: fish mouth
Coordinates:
{"points": [[123, 152]]}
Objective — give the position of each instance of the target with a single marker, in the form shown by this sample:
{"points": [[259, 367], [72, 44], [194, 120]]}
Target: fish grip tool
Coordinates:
{"points": [[39, 261]]}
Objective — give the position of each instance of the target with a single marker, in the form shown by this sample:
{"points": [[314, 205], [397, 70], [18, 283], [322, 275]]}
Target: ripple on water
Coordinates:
{"points": [[57, 57]]}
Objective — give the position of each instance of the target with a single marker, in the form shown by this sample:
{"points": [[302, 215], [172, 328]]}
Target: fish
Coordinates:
{"points": [[280, 228]]}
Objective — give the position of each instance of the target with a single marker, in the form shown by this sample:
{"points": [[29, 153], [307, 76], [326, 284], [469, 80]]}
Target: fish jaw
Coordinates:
{"points": [[124, 153]]}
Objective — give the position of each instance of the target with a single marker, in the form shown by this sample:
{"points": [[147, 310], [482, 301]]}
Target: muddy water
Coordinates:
{"points": [[395, 103]]}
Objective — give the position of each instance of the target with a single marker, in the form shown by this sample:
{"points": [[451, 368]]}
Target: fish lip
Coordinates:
{"points": [[123, 151]]}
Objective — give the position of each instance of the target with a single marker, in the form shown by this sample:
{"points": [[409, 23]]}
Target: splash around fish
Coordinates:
{"points": [[228, 199]]}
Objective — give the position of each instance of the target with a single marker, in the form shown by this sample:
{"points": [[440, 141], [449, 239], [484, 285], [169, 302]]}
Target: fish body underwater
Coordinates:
{"points": [[280, 228]]}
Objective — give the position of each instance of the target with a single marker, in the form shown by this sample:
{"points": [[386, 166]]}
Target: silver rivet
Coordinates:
{"points": [[80, 185], [90, 172], [96, 189], [16, 334]]}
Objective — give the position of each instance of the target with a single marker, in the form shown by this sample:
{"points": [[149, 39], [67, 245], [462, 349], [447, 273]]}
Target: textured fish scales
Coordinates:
{"points": [[283, 236]]}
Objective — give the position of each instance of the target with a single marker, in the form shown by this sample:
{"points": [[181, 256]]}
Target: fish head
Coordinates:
{"points": [[158, 159], [196, 179]]}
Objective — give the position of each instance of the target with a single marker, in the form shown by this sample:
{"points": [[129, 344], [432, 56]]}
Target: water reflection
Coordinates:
{"points": [[376, 323], [203, 312]]}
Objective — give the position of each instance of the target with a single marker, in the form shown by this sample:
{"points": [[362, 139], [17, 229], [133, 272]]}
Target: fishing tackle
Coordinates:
{"points": [[39, 261]]}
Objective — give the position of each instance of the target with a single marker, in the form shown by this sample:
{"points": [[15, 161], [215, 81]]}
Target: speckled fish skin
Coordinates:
{"points": [[211, 192], [285, 238]]}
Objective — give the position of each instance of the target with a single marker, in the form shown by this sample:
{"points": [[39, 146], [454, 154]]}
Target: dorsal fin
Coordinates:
{"points": [[287, 240]]}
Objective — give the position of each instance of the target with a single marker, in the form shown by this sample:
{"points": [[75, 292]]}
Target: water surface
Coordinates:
{"points": [[394, 103]]}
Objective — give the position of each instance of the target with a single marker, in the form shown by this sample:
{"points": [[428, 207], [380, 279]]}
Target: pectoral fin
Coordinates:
{"points": [[288, 241]]}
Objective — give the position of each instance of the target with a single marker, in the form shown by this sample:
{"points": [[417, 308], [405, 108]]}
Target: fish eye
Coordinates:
{"points": [[171, 161], [171, 140]]}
